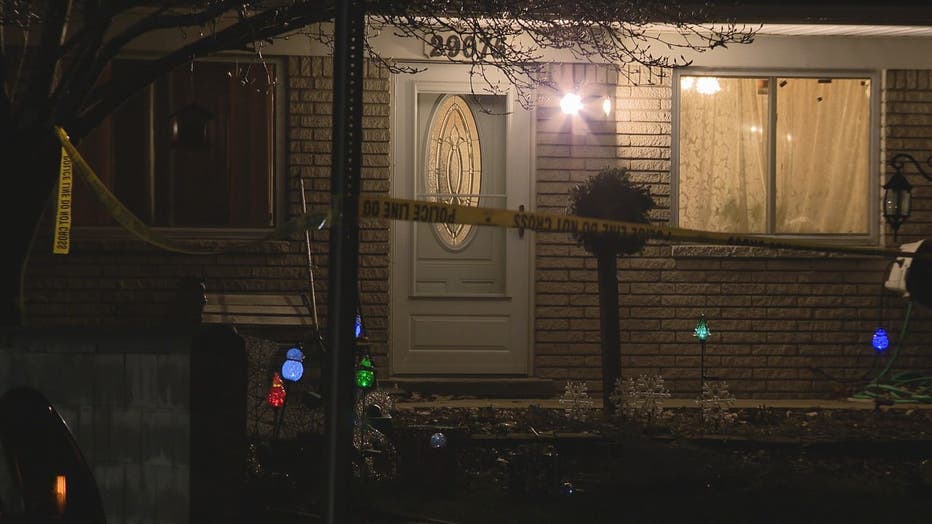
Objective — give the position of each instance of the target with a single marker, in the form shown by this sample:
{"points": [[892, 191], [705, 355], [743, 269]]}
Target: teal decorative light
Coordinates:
{"points": [[701, 332], [702, 329]]}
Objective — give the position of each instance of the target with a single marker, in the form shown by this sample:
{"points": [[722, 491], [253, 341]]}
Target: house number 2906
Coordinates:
{"points": [[469, 47]]}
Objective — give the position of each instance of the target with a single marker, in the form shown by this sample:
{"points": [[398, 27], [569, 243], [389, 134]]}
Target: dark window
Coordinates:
{"points": [[227, 184]]}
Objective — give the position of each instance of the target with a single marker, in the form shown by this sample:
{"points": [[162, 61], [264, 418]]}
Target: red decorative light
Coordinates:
{"points": [[276, 396]]}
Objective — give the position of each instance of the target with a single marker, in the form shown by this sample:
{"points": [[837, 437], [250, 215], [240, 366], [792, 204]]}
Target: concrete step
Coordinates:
{"points": [[485, 387]]}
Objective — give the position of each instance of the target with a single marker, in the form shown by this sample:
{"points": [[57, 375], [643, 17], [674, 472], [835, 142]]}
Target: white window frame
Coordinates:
{"points": [[872, 237]]}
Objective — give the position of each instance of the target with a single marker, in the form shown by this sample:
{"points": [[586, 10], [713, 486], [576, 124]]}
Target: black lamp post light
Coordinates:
{"points": [[897, 192]]}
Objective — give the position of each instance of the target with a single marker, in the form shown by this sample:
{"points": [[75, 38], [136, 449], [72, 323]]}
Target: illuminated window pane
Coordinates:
{"points": [[723, 160], [822, 151], [775, 155], [454, 164]]}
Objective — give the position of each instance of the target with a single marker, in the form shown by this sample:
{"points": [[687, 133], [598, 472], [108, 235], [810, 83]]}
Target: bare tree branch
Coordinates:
{"points": [[517, 32], [92, 25], [87, 70], [3, 75], [616, 33], [14, 87], [45, 61], [5, 104], [256, 28]]}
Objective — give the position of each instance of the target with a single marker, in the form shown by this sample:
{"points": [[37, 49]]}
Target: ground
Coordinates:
{"points": [[537, 464]]}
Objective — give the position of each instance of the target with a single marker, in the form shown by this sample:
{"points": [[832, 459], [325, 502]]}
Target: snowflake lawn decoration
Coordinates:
{"points": [[641, 399], [715, 405], [575, 400]]}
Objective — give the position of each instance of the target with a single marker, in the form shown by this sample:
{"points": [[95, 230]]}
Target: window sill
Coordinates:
{"points": [[118, 239], [722, 251]]}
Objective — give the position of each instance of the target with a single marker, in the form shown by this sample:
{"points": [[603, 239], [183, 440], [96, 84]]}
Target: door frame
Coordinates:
{"points": [[404, 90]]}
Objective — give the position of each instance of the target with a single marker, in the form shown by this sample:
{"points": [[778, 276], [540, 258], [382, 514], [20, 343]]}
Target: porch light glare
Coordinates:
{"points": [[607, 106], [571, 104], [708, 85], [704, 85], [880, 341]]}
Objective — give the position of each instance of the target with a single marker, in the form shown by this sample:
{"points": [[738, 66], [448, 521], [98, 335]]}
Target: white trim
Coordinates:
{"points": [[845, 30]]}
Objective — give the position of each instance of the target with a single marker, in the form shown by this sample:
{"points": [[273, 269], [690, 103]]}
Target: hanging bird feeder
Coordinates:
{"points": [[190, 127]]}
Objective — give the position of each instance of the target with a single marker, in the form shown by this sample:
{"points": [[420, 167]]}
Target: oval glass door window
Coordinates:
{"points": [[453, 165]]}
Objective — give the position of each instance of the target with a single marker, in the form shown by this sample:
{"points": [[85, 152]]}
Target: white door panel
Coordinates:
{"points": [[460, 295]]}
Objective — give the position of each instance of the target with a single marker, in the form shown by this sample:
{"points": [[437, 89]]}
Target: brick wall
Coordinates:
{"points": [[784, 324], [908, 129], [113, 279], [309, 133]]}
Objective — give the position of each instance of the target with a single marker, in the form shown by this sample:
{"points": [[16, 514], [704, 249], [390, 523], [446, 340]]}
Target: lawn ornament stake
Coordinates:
{"points": [[702, 333]]}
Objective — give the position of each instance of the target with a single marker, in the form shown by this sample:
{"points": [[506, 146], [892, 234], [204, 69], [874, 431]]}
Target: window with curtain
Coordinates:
{"points": [[774, 154], [227, 182]]}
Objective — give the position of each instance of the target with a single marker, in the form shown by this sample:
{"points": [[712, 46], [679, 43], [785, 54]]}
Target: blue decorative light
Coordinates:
{"points": [[880, 340], [358, 330], [438, 440], [566, 488], [293, 367]]}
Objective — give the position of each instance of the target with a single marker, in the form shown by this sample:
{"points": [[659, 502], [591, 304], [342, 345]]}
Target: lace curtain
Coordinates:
{"points": [[823, 137], [821, 170], [723, 155]]}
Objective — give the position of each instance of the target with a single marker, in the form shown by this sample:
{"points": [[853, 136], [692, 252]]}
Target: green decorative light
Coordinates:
{"points": [[702, 329], [365, 373]]}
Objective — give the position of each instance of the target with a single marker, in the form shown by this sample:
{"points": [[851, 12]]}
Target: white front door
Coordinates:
{"points": [[460, 295]]}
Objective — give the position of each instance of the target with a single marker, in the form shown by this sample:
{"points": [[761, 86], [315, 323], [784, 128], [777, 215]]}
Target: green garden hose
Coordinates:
{"points": [[903, 387]]}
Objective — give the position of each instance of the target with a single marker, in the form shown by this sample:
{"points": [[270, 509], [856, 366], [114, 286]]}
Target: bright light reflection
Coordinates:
{"points": [[686, 83], [708, 85], [571, 104], [61, 493], [607, 106]]}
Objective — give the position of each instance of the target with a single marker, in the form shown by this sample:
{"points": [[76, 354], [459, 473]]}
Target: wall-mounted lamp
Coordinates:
{"points": [[607, 106], [190, 127], [571, 104], [897, 192]]}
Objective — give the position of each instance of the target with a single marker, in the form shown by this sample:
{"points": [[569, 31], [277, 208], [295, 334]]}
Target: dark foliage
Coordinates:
{"points": [[611, 195]]}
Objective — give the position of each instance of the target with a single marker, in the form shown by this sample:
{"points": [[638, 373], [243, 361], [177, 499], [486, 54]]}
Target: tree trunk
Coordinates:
{"points": [[30, 166], [608, 325]]}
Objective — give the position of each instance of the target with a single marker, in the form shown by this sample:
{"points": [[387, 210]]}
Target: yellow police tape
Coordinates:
{"points": [[61, 240], [134, 225], [399, 209], [384, 207]]}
